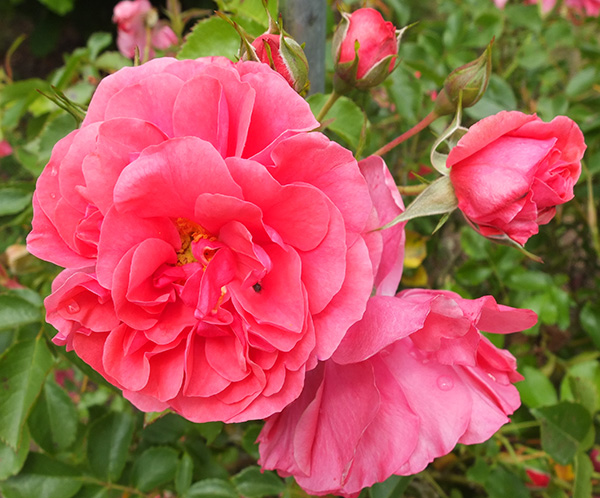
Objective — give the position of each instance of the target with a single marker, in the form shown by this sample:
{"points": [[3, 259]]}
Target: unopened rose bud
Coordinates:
{"points": [[538, 478], [284, 55], [365, 48], [471, 80]]}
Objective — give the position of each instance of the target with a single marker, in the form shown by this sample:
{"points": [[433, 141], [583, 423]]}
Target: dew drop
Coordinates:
{"points": [[72, 306], [54, 171], [52, 195], [445, 383]]}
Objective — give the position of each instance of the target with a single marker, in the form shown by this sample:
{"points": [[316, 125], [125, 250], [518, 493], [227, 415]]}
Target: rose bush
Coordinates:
{"points": [[511, 170], [365, 48], [137, 26], [426, 379], [214, 250]]}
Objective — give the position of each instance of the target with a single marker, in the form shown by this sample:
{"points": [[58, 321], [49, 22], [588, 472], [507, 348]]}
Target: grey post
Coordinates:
{"points": [[305, 20]]}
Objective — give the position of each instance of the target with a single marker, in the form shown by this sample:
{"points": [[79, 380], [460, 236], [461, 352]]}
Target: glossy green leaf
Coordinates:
{"points": [[536, 390], [184, 474], [53, 420], [502, 484], [155, 467], [60, 7], [11, 461], [23, 369], [392, 487], [499, 96], [15, 312], [582, 82], [252, 483], [108, 444], [583, 476], [13, 200], [212, 36], [43, 477], [347, 117], [212, 488], [564, 429]]}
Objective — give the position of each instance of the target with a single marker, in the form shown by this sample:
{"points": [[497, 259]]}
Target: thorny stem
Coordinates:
{"points": [[328, 105], [426, 121]]}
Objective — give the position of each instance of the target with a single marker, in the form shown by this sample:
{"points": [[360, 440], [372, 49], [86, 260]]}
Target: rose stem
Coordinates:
{"points": [[328, 105], [426, 121]]}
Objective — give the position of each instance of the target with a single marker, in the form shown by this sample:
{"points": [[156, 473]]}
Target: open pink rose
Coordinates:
{"points": [[409, 381], [214, 250], [137, 24], [377, 42], [511, 170]]}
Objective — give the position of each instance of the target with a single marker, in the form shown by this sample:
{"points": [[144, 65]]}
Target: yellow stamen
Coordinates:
{"points": [[190, 232]]}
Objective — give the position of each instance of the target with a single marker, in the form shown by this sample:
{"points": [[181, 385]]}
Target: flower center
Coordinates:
{"points": [[191, 232]]}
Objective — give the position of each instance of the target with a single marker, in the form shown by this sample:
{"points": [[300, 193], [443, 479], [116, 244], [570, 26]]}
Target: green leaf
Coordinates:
{"points": [[209, 37], [590, 321], [252, 483], [97, 42], [583, 476], [209, 430], [502, 483], [529, 281], [582, 82], [392, 487], [44, 477], [108, 444], [15, 312], [184, 474], [564, 429], [11, 461], [53, 420], [499, 96], [23, 369], [211, 488], [13, 200], [155, 467], [249, 440], [347, 117], [250, 9], [536, 390], [60, 7]]}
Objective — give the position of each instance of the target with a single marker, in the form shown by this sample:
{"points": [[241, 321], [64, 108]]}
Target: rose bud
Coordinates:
{"points": [[365, 48], [5, 148], [511, 170], [471, 79], [284, 55]]}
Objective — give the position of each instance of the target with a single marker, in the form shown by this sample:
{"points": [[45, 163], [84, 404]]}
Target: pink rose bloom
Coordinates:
{"points": [[132, 18], [5, 148], [409, 381], [214, 250], [511, 170], [377, 42], [591, 8]]}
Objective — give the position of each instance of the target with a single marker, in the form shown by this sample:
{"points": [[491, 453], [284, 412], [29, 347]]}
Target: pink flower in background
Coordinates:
{"points": [[590, 8], [214, 250], [5, 148], [137, 24], [409, 381], [511, 170]]}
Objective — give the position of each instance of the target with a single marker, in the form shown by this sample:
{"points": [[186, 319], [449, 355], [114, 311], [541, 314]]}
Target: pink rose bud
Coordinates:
{"points": [[134, 18], [5, 148], [471, 80], [511, 170], [284, 55], [538, 478], [595, 458], [365, 48]]}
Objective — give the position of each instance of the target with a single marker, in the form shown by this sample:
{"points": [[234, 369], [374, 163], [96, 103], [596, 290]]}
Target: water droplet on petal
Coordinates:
{"points": [[54, 171], [72, 306], [445, 383], [52, 195]]}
